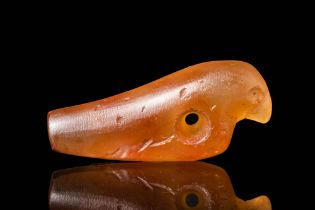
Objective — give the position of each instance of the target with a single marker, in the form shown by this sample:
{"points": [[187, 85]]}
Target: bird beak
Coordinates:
{"points": [[262, 112], [259, 203]]}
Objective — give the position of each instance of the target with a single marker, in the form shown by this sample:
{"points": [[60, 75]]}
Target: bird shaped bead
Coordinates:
{"points": [[187, 115]]}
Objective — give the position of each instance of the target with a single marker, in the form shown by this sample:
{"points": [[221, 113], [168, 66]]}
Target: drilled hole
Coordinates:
{"points": [[191, 118], [192, 200]]}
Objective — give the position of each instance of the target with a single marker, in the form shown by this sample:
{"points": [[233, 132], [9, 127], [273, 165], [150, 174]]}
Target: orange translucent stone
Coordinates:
{"points": [[170, 185], [187, 115]]}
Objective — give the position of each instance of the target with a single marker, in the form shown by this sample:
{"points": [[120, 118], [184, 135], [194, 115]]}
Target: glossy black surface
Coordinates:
{"points": [[266, 159]]}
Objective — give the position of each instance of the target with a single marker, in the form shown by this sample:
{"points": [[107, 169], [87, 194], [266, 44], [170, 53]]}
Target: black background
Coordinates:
{"points": [[73, 61]]}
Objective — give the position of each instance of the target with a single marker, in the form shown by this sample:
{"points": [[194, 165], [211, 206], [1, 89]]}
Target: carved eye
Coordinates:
{"points": [[193, 127], [255, 95]]}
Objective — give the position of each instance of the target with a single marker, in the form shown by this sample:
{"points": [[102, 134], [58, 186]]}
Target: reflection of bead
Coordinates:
{"points": [[147, 185]]}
